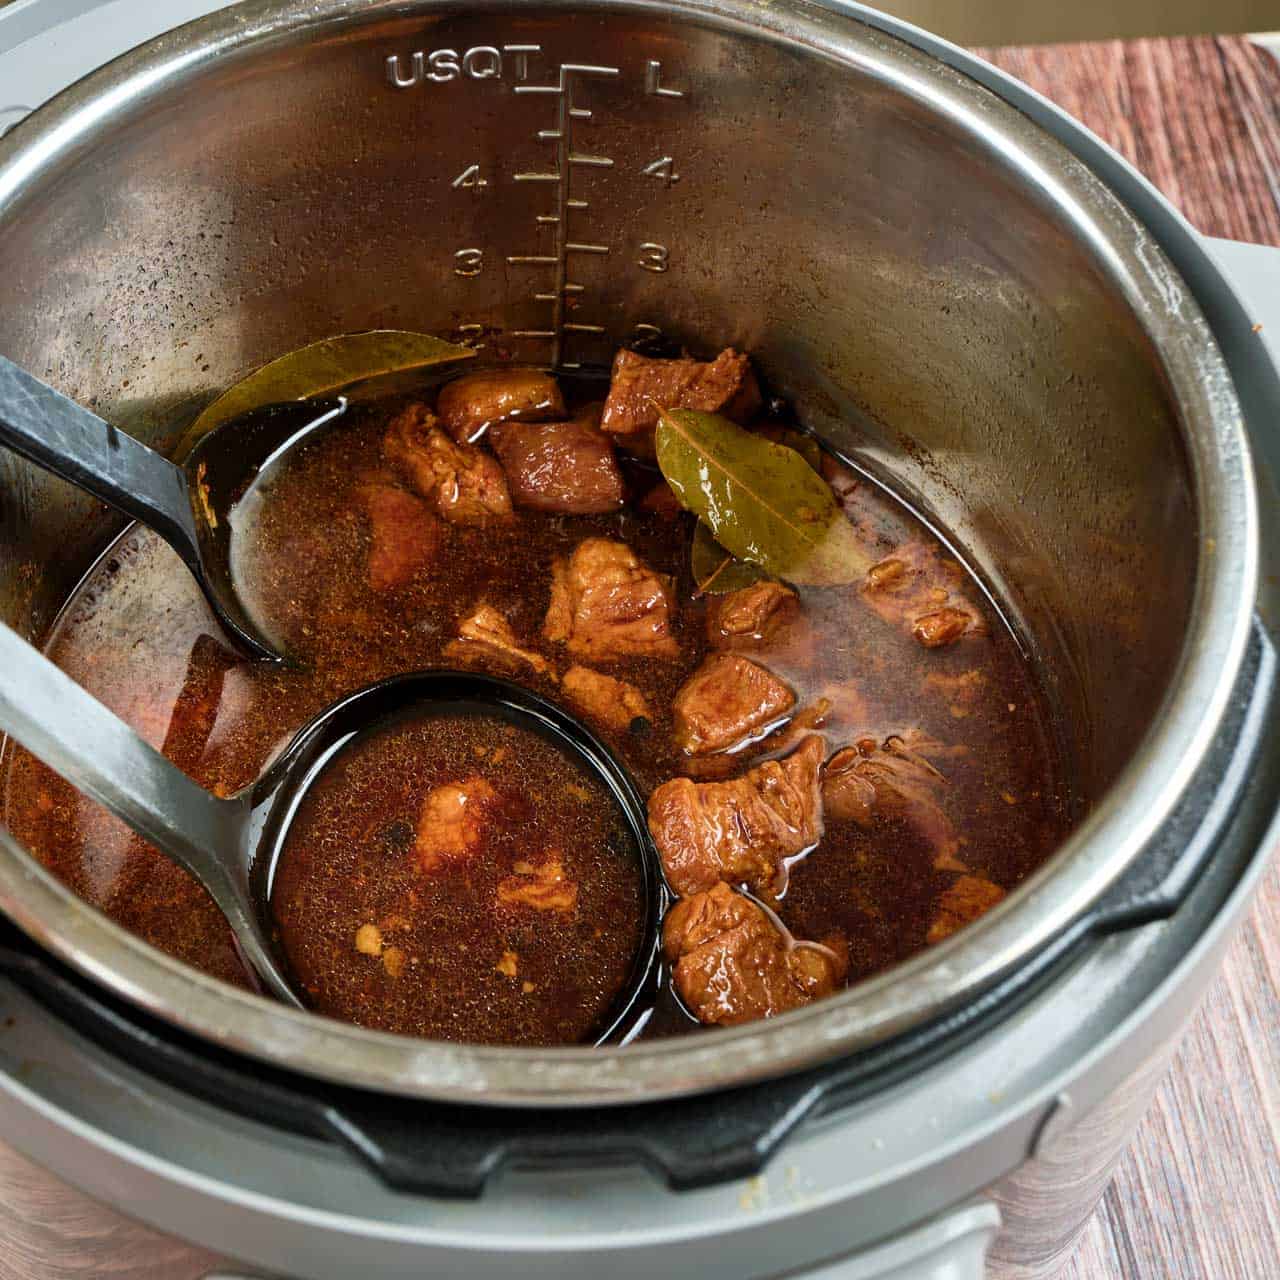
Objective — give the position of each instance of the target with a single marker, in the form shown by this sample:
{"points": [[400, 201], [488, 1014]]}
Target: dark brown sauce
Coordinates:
{"points": [[375, 938], [139, 637]]}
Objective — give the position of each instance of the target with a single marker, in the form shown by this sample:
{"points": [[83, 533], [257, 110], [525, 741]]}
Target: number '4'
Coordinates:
{"points": [[664, 170]]}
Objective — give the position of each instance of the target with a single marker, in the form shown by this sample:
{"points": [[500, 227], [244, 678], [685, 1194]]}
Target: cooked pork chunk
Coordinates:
{"points": [[640, 386], [470, 404], [465, 484], [741, 830], [615, 704], [764, 618], [451, 824], [485, 639], [403, 535], [966, 900], [751, 615], [559, 466], [732, 964], [894, 778], [542, 886], [727, 702], [919, 589], [606, 603]]}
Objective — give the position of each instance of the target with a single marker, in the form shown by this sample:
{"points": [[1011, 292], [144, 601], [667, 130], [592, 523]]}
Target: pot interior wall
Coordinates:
{"points": [[892, 274]]}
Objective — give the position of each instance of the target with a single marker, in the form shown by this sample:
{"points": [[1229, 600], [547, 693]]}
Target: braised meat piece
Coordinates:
{"points": [[607, 603], [764, 618], [752, 615], [542, 887], [559, 466], [732, 963], [615, 704], [739, 831], [403, 535], [485, 639], [639, 386], [894, 778], [451, 824], [471, 404], [465, 484], [919, 589], [966, 900], [727, 702]]}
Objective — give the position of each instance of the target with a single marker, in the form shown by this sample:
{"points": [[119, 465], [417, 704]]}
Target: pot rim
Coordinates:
{"points": [[1097, 852]]}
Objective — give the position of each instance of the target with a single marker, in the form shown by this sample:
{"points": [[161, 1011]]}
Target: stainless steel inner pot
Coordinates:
{"points": [[940, 287]]}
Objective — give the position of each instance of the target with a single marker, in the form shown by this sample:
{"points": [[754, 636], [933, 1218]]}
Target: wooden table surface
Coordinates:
{"points": [[1198, 1195]]}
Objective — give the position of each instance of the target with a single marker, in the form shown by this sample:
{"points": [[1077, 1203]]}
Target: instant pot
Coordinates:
{"points": [[961, 289]]}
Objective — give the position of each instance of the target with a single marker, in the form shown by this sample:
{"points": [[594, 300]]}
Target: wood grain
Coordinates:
{"points": [[1197, 1197]]}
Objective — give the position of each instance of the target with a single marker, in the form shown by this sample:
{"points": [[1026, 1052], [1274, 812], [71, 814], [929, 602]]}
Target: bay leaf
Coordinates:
{"points": [[761, 501], [715, 571], [328, 366]]}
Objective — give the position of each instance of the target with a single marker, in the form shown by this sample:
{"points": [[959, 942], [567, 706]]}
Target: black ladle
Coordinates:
{"points": [[188, 505], [231, 845]]}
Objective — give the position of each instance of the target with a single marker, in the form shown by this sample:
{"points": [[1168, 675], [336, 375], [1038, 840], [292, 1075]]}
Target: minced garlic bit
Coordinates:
{"points": [[577, 792], [393, 961], [507, 966], [369, 940], [527, 987]]}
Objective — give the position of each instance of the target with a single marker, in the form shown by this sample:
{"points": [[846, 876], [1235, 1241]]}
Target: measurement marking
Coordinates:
{"points": [[566, 159], [532, 259], [653, 82], [551, 297]]}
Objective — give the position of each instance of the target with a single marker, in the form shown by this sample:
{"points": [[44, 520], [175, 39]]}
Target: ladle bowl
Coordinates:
{"points": [[188, 504], [231, 845]]}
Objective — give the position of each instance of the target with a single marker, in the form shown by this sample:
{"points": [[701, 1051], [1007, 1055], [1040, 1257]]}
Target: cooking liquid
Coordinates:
{"points": [[373, 935], [138, 635]]}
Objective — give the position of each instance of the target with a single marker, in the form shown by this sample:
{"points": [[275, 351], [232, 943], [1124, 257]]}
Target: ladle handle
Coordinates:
{"points": [[61, 724], [62, 436]]}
